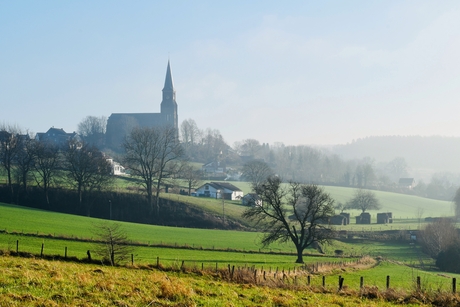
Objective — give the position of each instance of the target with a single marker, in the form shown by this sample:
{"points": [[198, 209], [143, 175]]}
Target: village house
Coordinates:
{"points": [[219, 190]]}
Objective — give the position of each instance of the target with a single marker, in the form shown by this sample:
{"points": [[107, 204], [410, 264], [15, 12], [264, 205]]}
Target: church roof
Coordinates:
{"points": [[168, 80]]}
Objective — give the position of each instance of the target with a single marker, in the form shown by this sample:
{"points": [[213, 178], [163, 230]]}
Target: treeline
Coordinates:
{"points": [[374, 162], [46, 164], [112, 205], [73, 176]]}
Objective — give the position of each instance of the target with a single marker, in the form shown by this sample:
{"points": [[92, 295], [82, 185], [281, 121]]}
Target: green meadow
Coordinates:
{"points": [[201, 248]]}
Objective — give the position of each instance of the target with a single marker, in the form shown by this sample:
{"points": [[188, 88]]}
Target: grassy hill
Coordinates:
{"points": [[403, 206]]}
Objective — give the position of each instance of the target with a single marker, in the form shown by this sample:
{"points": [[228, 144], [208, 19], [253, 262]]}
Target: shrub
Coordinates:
{"points": [[447, 260]]}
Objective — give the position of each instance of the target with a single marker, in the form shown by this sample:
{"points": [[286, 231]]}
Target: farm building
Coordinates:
{"points": [[363, 218], [384, 218], [220, 190], [407, 183], [251, 199], [347, 217], [338, 220]]}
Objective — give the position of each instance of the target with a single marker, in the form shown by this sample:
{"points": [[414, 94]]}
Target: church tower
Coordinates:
{"points": [[168, 104]]}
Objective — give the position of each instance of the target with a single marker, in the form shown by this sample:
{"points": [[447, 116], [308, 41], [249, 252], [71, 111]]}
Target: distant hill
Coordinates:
{"points": [[431, 154]]}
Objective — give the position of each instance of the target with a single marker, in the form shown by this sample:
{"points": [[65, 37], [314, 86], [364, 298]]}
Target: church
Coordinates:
{"points": [[120, 124]]}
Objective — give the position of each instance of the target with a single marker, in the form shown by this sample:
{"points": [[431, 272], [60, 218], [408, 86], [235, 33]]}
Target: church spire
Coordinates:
{"points": [[168, 80]]}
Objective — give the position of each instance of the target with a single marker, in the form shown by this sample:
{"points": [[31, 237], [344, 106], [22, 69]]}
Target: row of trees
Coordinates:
{"points": [[150, 154], [25, 160]]}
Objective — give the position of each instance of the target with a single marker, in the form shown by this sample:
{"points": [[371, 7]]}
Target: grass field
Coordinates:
{"points": [[36, 282], [402, 206]]}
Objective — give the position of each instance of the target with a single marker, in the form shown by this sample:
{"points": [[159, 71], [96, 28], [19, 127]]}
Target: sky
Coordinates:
{"points": [[296, 72]]}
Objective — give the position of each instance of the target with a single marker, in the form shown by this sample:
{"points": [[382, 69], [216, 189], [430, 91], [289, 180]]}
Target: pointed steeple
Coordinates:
{"points": [[168, 80], [169, 104]]}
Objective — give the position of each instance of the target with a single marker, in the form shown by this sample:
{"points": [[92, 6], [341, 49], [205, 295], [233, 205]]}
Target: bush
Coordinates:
{"points": [[447, 260]]}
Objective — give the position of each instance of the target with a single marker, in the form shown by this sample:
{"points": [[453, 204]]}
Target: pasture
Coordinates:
{"points": [[405, 208], [199, 248]]}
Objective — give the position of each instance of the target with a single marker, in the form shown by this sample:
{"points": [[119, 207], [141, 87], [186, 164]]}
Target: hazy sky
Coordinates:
{"points": [[298, 72]]}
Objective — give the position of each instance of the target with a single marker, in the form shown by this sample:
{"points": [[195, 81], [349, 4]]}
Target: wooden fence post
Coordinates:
{"points": [[308, 280], [17, 246], [324, 281], [340, 283], [388, 281], [418, 283], [65, 253], [454, 285], [361, 282], [158, 262], [41, 252], [132, 259]]}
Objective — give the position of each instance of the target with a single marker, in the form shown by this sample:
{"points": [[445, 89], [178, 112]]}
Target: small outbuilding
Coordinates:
{"points": [[338, 220], [385, 218], [363, 218], [251, 200]]}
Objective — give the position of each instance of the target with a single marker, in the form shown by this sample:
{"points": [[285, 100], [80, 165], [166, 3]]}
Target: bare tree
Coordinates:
{"points": [[439, 236], [248, 147], [149, 154], [398, 168], [114, 244], [191, 175], [256, 172], [92, 129], [24, 160], [189, 132], [86, 168], [46, 164], [340, 206], [9, 148], [364, 200], [295, 214]]}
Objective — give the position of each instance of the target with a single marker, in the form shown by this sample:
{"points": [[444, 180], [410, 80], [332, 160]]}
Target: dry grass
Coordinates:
{"points": [[38, 282]]}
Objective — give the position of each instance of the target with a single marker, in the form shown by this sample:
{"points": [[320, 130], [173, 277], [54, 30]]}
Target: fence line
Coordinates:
{"points": [[298, 276]]}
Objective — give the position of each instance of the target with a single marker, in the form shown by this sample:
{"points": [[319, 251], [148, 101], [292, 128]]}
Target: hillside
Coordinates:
{"points": [[428, 154]]}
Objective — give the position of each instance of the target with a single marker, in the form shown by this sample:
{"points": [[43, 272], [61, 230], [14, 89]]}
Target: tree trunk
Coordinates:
{"points": [[299, 255]]}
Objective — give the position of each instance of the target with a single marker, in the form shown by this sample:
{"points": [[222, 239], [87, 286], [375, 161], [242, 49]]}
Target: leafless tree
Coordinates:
{"points": [[149, 153], [24, 160], [92, 129], [191, 175], [189, 132], [86, 168], [9, 147], [439, 236], [340, 206], [398, 168], [113, 243], [256, 172], [248, 147], [364, 200], [295, 214], [46, 164]]}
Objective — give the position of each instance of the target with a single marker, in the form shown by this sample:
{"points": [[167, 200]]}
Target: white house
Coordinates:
{"points": [[117, 168], [219, 190]]}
